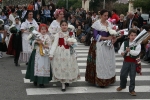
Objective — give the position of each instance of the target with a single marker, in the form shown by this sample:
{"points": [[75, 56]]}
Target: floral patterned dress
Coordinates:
{"points": [[64, 64]]}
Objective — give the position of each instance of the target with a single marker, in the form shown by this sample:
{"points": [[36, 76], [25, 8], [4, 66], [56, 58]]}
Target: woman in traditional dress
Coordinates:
{"points": [[17, 24], [39, 70], [26, 48], [55, 25], [100, 69], [12, 16], [64, 63]]}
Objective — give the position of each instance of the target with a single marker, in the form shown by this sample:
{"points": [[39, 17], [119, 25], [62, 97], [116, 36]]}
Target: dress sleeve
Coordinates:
{"points": [[54, 45], [48, 42], [36, 25], [121, 50], [96, 35], [23, 26], [136, 51]]}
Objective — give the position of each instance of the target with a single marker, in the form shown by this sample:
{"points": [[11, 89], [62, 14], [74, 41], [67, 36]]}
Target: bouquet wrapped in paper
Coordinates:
{"points": [[35, 35], [72, 41], [142, 36], [112, 33]]}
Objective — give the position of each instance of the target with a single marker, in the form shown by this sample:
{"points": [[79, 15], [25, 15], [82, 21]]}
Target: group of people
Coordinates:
{"points": [[49, 52], [59, 63]]}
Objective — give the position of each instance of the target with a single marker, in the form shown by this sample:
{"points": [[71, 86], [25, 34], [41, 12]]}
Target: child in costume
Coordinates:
{"points": [[129, 64], [38, 69], [3, 47], [64, 62]]}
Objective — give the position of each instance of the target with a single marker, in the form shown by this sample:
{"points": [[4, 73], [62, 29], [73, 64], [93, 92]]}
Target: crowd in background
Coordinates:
{"points": [[80, 19]]}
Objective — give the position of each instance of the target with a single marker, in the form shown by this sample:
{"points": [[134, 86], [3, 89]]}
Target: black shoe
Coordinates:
{"points": [[16, 64], [41, 85], [63, 90], [102, 86], [35, 83], [27, 63], [67, 84]]}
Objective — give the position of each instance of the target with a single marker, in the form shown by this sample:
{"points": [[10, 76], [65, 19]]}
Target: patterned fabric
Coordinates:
{"points": [[65, 66], [42, 63], [91, 75]]}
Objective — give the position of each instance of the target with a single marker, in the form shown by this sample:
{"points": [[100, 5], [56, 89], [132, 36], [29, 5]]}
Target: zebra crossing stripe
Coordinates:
{"points": [[85, 59], [83, 70], [82, 79], [117, 64], [88, 89]]}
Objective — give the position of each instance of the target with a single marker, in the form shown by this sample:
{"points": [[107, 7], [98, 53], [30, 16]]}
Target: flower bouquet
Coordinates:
{"points": [[31, 28], [112, 33], [1, 22], [13, 29], [72, 41]]}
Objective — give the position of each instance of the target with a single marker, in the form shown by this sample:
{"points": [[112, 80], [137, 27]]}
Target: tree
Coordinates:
{"points": [[145, 4], [98, 4], [71, 3], [121, 8]]}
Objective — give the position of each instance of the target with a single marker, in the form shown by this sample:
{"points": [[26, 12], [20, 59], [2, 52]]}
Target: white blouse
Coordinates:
{"points": [[132, 52]]}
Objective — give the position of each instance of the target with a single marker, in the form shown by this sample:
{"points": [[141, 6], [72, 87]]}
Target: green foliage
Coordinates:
{"points": [[71, 3], [13, 29], [97, 5], [145, 4], [121, 8]]}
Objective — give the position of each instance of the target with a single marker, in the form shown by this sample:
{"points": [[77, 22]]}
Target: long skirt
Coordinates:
{"points": [[30, 72], [10, 50], [91, 75], [26, 48], [65, 66]]}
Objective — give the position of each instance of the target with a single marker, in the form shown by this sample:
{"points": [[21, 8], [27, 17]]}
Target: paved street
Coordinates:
{"points": [[13, 86]]}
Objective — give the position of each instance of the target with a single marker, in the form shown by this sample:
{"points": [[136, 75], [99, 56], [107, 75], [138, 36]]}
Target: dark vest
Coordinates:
{"points": [[126, 44]]}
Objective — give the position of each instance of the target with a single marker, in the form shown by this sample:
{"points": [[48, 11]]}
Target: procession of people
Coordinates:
{"points": [[40, 37]]}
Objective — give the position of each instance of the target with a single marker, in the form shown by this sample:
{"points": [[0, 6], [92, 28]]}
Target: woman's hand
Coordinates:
{"points": [[46, 46], [109, 38], [39, 42], [114, 39], [51, 58], [70, 43]]}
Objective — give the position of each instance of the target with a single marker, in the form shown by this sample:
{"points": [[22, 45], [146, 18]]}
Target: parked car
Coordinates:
{"points": [[145, 18]]}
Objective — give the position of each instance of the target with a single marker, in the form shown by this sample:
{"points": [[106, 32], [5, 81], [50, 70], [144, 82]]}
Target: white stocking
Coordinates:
{"points": [[63, 86]]}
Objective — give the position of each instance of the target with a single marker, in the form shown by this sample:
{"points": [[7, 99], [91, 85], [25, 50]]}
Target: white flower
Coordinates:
{"points": [[72, 40], [71, 27], [112, 32], [29, 36]]}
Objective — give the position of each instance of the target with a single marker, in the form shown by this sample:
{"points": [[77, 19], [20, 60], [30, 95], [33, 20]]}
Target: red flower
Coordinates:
{"points": [[70, 34]]}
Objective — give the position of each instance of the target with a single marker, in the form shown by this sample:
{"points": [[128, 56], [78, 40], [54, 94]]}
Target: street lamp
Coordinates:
{"points": [[104, 4]]}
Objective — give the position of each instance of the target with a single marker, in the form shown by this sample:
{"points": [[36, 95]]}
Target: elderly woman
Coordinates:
{"points": [[100, 69], [26, 48]]}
